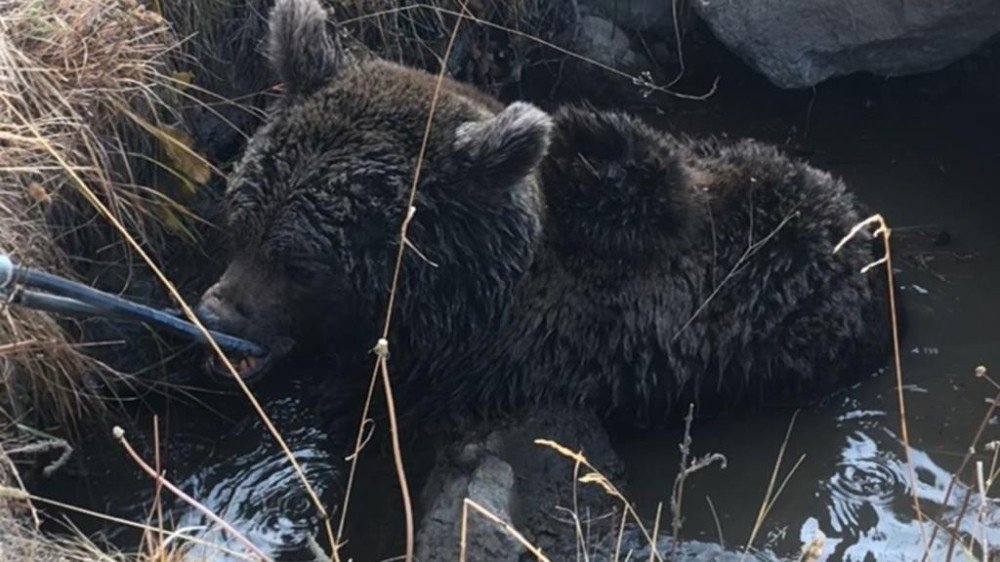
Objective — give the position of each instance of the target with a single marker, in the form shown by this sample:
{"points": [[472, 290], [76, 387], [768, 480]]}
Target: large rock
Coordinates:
{"points": [[499, 466], [798, 43], [597, 39]]}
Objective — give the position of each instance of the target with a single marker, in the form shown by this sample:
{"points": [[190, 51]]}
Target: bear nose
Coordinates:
{"points": [[207, 316], [218, 314]]}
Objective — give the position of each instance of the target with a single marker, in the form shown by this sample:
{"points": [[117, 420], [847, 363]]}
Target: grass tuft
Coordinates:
{"points": [[81, 81]]}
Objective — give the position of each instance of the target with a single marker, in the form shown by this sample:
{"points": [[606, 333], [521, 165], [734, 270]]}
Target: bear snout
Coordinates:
{"points": [[220, 314], [223, 314]]}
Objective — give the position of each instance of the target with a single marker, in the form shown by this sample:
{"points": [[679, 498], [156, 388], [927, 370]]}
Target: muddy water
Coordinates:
{"points": [[927, 160]]}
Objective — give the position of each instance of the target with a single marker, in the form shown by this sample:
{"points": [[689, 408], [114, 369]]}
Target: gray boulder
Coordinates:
{"points": [[500, 467], [798, 43], [598, 39]]}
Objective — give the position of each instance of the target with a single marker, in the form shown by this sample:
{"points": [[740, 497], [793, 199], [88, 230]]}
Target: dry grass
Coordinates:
{"points": [[89, 82], [508, 39], [20, 537], [87, 97]]}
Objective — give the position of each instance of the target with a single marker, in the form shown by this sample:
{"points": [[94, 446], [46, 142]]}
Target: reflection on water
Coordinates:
{"points": [[247, 480], [223, 456], [869, 510], [866, 480]]}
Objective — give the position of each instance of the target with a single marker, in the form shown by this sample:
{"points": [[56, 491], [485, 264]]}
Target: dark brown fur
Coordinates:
{"points": [[675, 271], [317, 202], [630, 271]]}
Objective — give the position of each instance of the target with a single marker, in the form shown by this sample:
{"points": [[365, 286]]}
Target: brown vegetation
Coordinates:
{"points": [[82, 89], [87, 102]]}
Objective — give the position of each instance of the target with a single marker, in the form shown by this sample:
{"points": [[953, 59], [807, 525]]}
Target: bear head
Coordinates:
{"points": [[316, 206]]}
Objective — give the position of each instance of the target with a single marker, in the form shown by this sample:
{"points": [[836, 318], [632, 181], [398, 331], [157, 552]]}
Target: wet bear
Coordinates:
{"points": [[582, 258], [675, 271]]}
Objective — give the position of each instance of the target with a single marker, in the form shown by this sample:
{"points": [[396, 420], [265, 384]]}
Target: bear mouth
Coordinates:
{"points": [[249, 368]]}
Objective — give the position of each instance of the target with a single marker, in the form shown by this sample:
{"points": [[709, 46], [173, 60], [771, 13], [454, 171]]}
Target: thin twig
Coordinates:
{"points": [[981, 511], [679, 43], [767, 502], [632, 78], [621, 536], [507, 527], [397, 457], [983, 424], [17, 478], [886, 259], [44, 447], [596, 477], [752, 248], [463, 532], [4, 492], [359, 443], [158, 494], [581, 543], [383, 344], [677, 494], [656, 531], [718, 524]]}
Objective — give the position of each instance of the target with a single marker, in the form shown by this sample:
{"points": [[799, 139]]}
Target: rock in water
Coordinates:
{"points": [[799, 43], [532, 487]]}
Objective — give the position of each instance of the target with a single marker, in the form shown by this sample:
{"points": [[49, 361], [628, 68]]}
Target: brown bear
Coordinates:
{"points": [[583, 259], [673, 271]]}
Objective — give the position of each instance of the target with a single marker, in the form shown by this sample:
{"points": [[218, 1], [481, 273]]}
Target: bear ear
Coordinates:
{"points": [[507, 147], [614, 149], [301, 51], [602, 136], [635, 179]]}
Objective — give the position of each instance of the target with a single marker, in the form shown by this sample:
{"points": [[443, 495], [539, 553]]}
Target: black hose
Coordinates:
{"points": [[77, 297], [54, 303]]}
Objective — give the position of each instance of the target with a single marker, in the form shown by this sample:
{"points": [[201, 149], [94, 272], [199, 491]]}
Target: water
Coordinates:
{"points": [[225, 460], [214, 447], [927, 161], [251, 483]]}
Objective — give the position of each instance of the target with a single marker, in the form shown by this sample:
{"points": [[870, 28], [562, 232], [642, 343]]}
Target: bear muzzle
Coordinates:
{"points": [[216, 313]]}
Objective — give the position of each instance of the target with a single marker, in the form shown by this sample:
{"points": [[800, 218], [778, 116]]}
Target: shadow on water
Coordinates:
{"points": [[925, 155]]}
